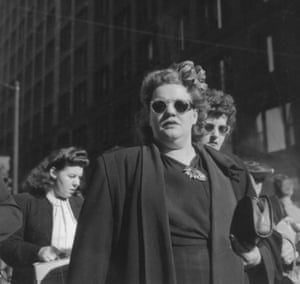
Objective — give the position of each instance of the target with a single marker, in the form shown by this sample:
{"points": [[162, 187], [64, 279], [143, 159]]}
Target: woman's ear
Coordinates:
{"points": [[53, 173], [195, 118]]}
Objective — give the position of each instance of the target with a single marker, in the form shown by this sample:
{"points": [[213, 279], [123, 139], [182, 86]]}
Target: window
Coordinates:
{"points": [[37, 96], [81, 25], [29, 46], [66, 7], [21, 31], [48, 116], [12, 66], [64, 140], [81, 59], [142, 55], [49, 87], [214, 75], [101, 43], [29, 21], [122, 20], [36, 124], [50, 26], [40, 5], [65, 72], [275, 128], [39, 35], [211, 13], [142, 15], [101, 131], [50, 4], [38, 65], [13, 40], [79, 97], [65, 38], [20, 56], [64, 106], [122, 67], [28, 75], [101, 84], [50, 52], [80, 3], [101, 8], [25, 132], [80, 136], [27, 105]]}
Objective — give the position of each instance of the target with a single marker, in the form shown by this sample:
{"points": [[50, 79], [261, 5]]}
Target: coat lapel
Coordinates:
{"points": [[159, 263], [223, 203]]}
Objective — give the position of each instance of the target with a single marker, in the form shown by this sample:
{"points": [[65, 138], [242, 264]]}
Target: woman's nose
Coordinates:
{"points": [[170, 108], [76, 182]]}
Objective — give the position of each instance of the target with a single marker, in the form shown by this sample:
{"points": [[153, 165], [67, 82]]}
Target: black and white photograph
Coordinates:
{"points": [[149, 142]]}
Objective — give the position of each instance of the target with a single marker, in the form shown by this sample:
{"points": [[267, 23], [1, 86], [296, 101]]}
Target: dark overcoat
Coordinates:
{"points": [[10, 213], [21, 249], [123, 233]]}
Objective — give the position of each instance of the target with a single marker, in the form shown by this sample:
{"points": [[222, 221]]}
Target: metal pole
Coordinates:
{"points": [[16, 137]]}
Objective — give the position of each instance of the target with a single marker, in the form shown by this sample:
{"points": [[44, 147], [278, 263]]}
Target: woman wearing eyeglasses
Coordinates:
{"points": [[161, 213], [50, 207], [220, 118], [272, 251]]}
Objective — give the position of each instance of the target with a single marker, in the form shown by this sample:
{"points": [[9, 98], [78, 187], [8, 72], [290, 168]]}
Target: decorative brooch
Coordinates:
{"points": [[194, 173]]}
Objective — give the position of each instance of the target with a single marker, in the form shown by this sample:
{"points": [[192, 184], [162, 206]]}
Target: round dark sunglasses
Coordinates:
{"points": [[223, 129], [181, 106]]}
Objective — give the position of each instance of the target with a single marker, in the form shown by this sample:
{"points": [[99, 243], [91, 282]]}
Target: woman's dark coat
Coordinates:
{"points": [[21, 249], [10, 213], [123, 232]]}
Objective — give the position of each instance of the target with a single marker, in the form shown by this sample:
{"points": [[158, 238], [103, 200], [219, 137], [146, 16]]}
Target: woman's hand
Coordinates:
{"points": [[49, 253], [287, 252], [251, 258]]}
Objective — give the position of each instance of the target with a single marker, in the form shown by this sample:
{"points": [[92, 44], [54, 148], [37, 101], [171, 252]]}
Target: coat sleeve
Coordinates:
{"points": [[15, 251], [10, 214], [91, 252], [10, 218]]}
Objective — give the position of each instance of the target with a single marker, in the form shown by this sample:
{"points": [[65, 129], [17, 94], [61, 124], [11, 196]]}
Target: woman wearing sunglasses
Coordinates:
{"points": [[161, 213], [274, 251], [220, 118], [50, 208]]}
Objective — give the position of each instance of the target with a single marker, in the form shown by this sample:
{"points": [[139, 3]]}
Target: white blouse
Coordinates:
{"points": [[64, 223]]}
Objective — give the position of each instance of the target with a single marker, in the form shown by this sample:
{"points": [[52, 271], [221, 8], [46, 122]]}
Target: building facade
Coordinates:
{"points": [[80, 64]]}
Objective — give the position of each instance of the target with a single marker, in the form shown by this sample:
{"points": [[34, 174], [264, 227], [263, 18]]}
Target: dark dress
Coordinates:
{"points": [[188, 205]]}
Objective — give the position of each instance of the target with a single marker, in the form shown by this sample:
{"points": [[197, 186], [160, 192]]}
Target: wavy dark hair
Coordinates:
{"points": [[39, 180], [220, 103], [185, 73]]}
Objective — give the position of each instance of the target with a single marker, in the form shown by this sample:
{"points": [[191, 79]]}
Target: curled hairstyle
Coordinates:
{"points": [[220, 103], [39, 180], [186, 74]]}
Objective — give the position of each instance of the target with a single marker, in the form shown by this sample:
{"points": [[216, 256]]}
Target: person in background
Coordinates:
{"points": [[50, 207], [218, 127], [284, 190], [221, 117], [160, 213], [286, 213], [10, 214]]}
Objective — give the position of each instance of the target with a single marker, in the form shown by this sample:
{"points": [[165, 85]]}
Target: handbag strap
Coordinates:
{"points": [[294, 250]]}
